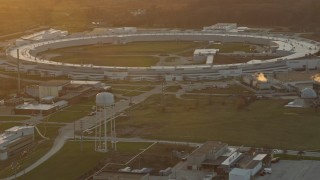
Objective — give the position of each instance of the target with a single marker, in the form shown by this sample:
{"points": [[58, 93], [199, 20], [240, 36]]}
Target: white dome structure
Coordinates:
{"points": [[308, 93], [104, 99]]}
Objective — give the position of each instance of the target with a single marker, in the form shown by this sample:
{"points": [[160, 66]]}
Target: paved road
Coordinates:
{"points": [[67, 132]]}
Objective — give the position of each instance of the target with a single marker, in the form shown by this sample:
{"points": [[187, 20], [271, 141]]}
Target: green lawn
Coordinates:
{"points": [[130, 90], [231, 47], [126, 92], [134, 48], [32, 156], [170, 59], [131, 54], [14, 118], [296, 157], [262, 123], [67, 116], [172, 88], [72, 113], [70, 162], [5, 126], [128, 87], [102, 60], [223, 48], [41, 148], [233, 89]]}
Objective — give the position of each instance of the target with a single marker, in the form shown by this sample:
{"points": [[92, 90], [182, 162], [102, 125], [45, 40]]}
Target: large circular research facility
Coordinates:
{"points": [[295, 53]]}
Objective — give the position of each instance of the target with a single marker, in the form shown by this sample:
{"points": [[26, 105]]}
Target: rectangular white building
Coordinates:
{"points": [[239, 174], [202, 54], [15, 139], [222, 27]]}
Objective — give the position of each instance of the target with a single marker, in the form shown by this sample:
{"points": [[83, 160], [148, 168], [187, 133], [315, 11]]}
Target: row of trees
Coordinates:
{"points": [[78, 14]]}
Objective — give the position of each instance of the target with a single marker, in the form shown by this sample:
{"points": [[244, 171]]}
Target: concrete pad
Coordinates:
{"points": [[294, 170]]}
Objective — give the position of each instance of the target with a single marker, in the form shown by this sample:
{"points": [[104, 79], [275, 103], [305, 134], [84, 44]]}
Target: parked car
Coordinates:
{"points": [[275, 160], [267, 170], [92, 113]]}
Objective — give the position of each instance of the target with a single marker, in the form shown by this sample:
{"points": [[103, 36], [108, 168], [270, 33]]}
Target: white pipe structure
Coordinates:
{"points": [[291, 47], [113, 129]]}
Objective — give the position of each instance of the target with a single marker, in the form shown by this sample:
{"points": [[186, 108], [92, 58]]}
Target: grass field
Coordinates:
{"points": [[77, 162], [262, 123], [222, 59], [13, 118], [128, 87], [40, 148], [233, 89], [223, 48], [232, 47], [134, 48], [72, 113], [296, 157], [101, 60], [127, 92], [4, 126], [130, 90], [172, 88], [160, 156], [131, 54]]}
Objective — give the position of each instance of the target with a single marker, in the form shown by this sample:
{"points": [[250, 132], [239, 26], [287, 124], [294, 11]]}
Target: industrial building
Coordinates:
{"points": [[122, 30], [56, 94], [43, 109], [13, 101], [52, 88], [258, 81], [202, 54], [206, 155], [40, 36], [15, 140], [308, 98], [222, 27], [316, 84], [32, 90], [239, 174], [291, 48], [106, 175]]}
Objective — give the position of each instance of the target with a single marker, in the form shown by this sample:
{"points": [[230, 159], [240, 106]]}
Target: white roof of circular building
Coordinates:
{"points": [[308, 93], [104, 99]]}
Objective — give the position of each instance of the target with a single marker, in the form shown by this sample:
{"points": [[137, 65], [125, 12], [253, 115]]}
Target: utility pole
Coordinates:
{"points": [[163, 92], [81, 129], [18, 57]]}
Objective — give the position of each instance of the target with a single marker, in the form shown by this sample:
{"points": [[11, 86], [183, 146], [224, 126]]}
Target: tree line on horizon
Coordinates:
{"points": [[78, 15]]}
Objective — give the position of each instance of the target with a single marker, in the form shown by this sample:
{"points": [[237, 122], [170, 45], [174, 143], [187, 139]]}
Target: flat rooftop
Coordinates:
{"points": [[252, 164], [17, 128], [260, 157], [209, 146], [35, 106], [118, 175], [205, 51], [53, 83], [85, 82]]}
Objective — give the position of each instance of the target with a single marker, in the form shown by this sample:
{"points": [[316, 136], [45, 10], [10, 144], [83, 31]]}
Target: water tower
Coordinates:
{"points": [[105, 105]]}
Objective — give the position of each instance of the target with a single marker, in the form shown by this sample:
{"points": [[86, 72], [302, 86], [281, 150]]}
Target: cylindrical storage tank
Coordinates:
{"points": [[104, 99]]}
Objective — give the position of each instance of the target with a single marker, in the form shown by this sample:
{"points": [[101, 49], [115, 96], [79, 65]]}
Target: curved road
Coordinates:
{"points": [[67, 132]]}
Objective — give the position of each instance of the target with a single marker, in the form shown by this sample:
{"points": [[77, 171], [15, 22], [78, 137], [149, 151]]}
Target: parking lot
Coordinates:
{"points": [[294, 170]]}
